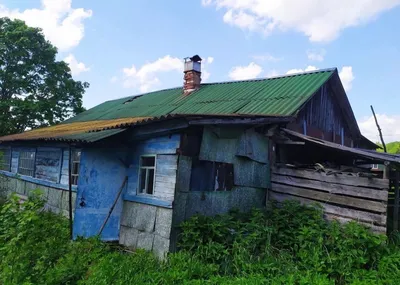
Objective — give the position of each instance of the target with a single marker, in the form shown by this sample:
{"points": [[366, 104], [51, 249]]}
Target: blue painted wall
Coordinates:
{"points": [[102, 172], [166, 164], [101, 175]]}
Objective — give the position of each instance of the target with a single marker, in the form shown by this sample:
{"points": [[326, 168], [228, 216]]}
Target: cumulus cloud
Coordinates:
{"points": [[316, 55], [346, 76], [250, 71], [62, 25], [319, 20], [390, 126], [146, 77], [308, 68], [75, 66]]}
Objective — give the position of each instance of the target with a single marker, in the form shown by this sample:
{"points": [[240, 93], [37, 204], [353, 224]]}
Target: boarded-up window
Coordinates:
{"points": [[48, 163], [147, 171], [75, 163], [26, 163], [5, 159], [211, 176]]}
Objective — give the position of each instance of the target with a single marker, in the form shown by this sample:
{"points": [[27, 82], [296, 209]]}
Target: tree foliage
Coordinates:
{"points": [[35, 88], [392, 147]]}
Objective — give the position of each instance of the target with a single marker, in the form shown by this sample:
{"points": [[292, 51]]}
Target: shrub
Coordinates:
{"points": [[32, 240], [288, 244]]}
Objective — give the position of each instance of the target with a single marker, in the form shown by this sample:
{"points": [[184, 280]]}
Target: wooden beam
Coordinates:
{"points": [[396, 202], [362, 204], [334, 188], [70, 193], [337, 178], [357, 215], [379, 129], [241, 121], [291, 143]]}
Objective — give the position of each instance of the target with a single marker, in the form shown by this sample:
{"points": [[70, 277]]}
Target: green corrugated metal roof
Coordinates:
{"points": [[90, 136], [280, 96]]}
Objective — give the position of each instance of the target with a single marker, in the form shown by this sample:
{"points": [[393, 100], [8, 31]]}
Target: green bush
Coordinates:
{"points": [[32, 240], [285, 244]]}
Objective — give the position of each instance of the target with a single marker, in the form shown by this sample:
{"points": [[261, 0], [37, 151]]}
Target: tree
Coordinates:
{"points": [[35, 89]]}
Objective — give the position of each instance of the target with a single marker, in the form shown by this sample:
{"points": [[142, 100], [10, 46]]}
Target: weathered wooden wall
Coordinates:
{"points": [[56, 199], [343, 197], [322, 118]]}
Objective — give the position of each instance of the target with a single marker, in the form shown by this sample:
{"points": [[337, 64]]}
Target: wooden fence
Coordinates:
{"points": [[343, 197]]}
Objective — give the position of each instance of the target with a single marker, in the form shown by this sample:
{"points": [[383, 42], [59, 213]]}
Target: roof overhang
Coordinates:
{"points": [[355, 152]]}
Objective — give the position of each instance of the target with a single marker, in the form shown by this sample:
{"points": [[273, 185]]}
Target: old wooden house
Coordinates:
{"points": [[156, 159]]}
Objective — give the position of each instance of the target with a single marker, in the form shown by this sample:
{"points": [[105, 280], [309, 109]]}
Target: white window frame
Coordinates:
{"points": [[21, 152], [75, 176], [139, 191], [375, 166], [5, 163]]}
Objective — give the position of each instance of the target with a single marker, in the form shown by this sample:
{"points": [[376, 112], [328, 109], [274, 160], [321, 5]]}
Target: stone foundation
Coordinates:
{"points": [[147, 227]]}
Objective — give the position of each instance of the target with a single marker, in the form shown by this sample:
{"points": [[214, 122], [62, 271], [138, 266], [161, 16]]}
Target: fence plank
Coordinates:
{"points": [[333, 188], [355, 215], [334, 178], [331, 198]]}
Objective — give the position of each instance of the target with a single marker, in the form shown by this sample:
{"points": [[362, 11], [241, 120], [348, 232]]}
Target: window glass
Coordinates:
{"points": [[26, 165], [146, 174], [75, 161], [5, 159]]}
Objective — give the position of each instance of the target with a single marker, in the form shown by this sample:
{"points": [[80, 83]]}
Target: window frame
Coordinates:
{"points": [[33, 170], [375, 168], [75, 176], [139, 191], [9, 149]]}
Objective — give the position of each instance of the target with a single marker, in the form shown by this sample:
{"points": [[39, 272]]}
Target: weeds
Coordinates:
{"points": [[288, 244]]}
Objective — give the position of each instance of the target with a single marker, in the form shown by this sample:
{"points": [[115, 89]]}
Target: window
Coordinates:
{"points": [[211, 176], [375, 166], [5, 159], [146, 174], [75, 161], [26, 165]]}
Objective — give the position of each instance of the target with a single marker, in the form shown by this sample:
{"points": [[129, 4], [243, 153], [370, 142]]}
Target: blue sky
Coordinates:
{"points": [[127, 47]]}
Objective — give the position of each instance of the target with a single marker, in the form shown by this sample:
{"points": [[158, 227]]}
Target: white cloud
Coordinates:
{"points": [[390, 126], [75, 66], [346, 76], [316, 55], [308, 68], [245, 72], [266, 57], [146, 78], [62, 25], [320, 20]]}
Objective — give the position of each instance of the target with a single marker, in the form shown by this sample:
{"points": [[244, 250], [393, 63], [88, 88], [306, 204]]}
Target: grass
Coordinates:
{"points": [[286, 244]]}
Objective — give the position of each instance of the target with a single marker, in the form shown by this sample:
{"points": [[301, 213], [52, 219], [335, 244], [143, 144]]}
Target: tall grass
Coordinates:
{"points": [[290, 244]]}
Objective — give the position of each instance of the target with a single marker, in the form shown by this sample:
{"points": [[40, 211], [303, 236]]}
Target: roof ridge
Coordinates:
{"points": [[274, 77], [232, 81]]}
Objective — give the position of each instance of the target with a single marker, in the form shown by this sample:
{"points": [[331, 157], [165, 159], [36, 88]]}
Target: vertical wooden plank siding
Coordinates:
{"points": [[396, 202]]}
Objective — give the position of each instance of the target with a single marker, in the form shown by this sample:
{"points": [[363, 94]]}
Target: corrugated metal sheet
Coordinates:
{"points": [[74, 131], [280, 96]]}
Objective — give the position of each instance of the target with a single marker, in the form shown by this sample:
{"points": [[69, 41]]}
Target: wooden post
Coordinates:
{"points": [[396, 202], [113, 205], [70, 193], [379, 129]]}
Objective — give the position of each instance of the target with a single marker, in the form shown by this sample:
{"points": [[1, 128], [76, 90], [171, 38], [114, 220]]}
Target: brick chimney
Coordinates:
{"points": [[192, 77]]}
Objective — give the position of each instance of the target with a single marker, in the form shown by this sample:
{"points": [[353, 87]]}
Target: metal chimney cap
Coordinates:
{"points": [[195, 58]]}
